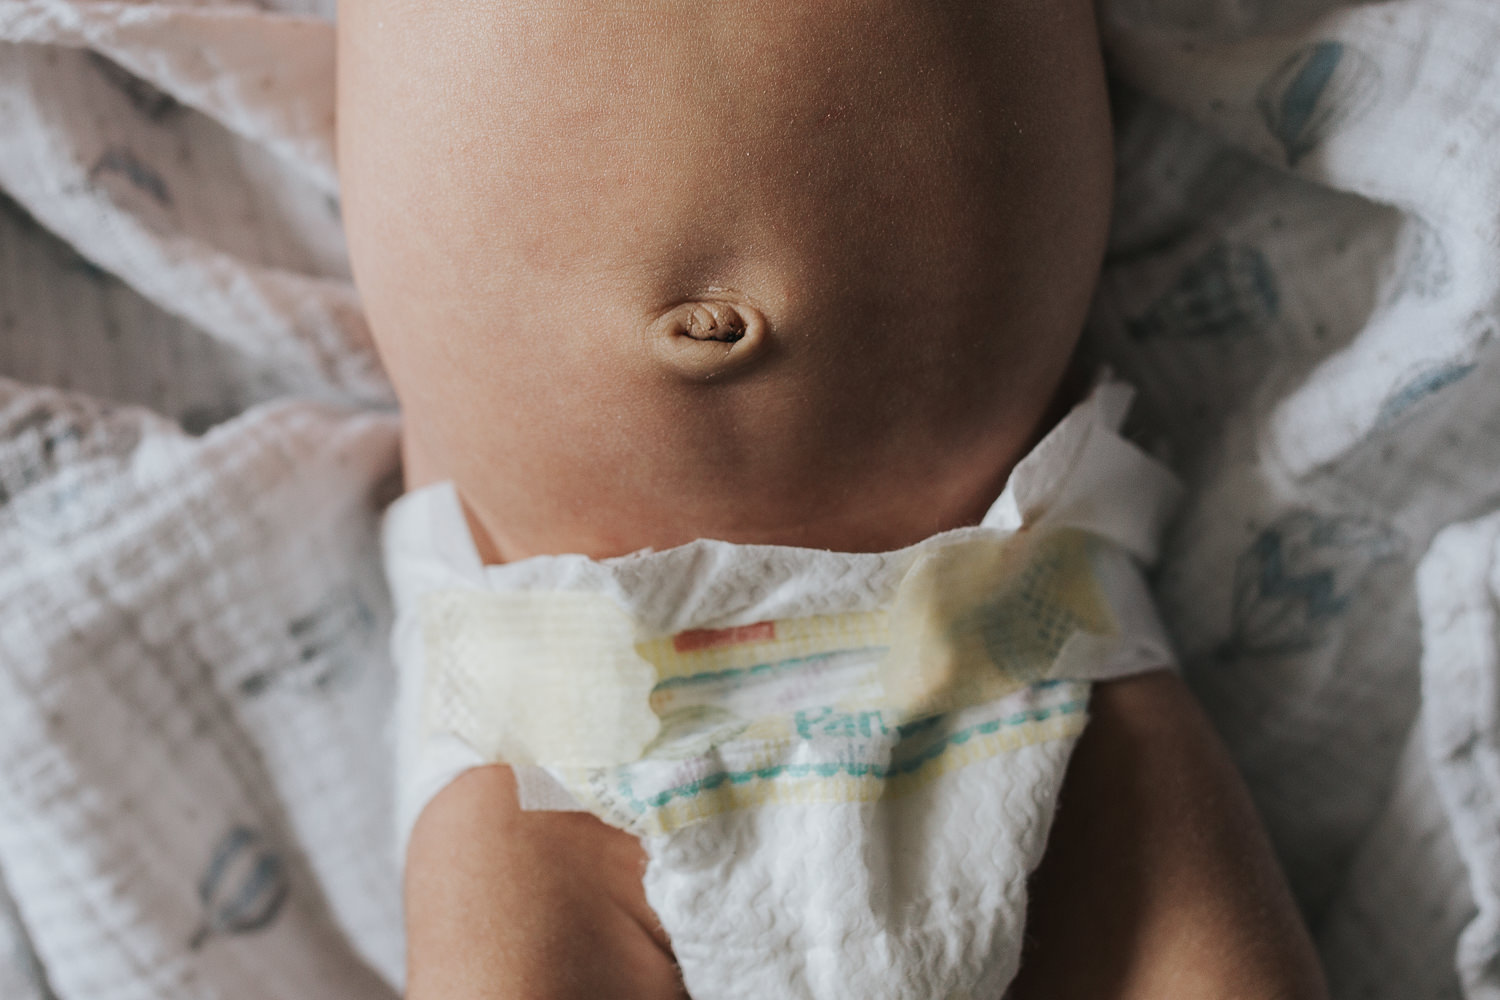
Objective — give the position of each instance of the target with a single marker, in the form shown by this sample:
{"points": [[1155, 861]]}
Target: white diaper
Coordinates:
{"points": [[842, 766]]}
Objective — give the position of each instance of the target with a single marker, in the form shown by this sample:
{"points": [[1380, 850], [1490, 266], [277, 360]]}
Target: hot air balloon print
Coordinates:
{"points": [[1229, 291], [1300, 576], [1317, 89], [243, 888]]}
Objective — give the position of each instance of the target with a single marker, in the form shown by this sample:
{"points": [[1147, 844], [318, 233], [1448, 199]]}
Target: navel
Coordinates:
{"points": [[709, 338]]}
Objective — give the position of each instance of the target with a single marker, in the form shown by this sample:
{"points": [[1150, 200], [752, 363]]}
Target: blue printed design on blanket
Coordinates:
{"points": [[243, 888], [1300, 576], [1230, 291], [1319, 88]]}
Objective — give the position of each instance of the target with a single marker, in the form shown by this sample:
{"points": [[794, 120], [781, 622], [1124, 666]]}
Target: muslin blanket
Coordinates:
{"points": [[196, 444]]}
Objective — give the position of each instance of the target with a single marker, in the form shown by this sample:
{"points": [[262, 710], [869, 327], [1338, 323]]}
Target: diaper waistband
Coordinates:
{"points": [[582, 665]]}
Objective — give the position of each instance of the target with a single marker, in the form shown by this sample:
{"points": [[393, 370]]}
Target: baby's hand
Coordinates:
{"points": [[502, 903]]}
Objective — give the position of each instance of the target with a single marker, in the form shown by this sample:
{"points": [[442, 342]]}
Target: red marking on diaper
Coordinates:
{"points": [[714, 638]]}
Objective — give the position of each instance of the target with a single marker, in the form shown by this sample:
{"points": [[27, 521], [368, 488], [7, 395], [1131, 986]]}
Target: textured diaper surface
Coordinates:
{"points": [[843, 766]]}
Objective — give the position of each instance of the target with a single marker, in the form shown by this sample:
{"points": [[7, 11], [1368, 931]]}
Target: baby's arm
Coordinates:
{"points": [[1158, 882], [502, 903]]}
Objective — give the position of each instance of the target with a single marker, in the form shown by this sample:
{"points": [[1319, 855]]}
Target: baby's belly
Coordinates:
{"points": [[767, 272]]}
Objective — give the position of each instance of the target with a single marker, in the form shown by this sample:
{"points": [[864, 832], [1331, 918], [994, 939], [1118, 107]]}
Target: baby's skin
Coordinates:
{"points": [[745, 270], [802, 273]]}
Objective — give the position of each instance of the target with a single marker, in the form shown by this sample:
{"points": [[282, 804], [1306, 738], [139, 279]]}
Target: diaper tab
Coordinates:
{"points": [[979, 620], [537, 677]]}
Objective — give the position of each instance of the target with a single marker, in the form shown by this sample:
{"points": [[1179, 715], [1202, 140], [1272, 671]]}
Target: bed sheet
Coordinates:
{"points": [[196, 443]]}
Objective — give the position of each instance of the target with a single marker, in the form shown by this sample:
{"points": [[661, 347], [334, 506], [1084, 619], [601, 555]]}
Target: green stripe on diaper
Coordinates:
{"points": [[759, 670], [846, 777]]}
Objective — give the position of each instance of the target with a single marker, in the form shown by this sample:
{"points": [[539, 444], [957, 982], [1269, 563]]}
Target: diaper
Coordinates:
{"points": [[842, 766]]}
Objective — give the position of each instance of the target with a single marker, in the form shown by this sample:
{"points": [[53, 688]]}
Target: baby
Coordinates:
{"points": [[770, 273]]}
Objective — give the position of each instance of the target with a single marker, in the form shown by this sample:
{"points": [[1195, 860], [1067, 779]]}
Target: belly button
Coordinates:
{"points": [[708, 339]]}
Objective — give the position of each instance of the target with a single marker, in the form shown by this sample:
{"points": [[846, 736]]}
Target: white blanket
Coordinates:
{"points": [[196, 442]]}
